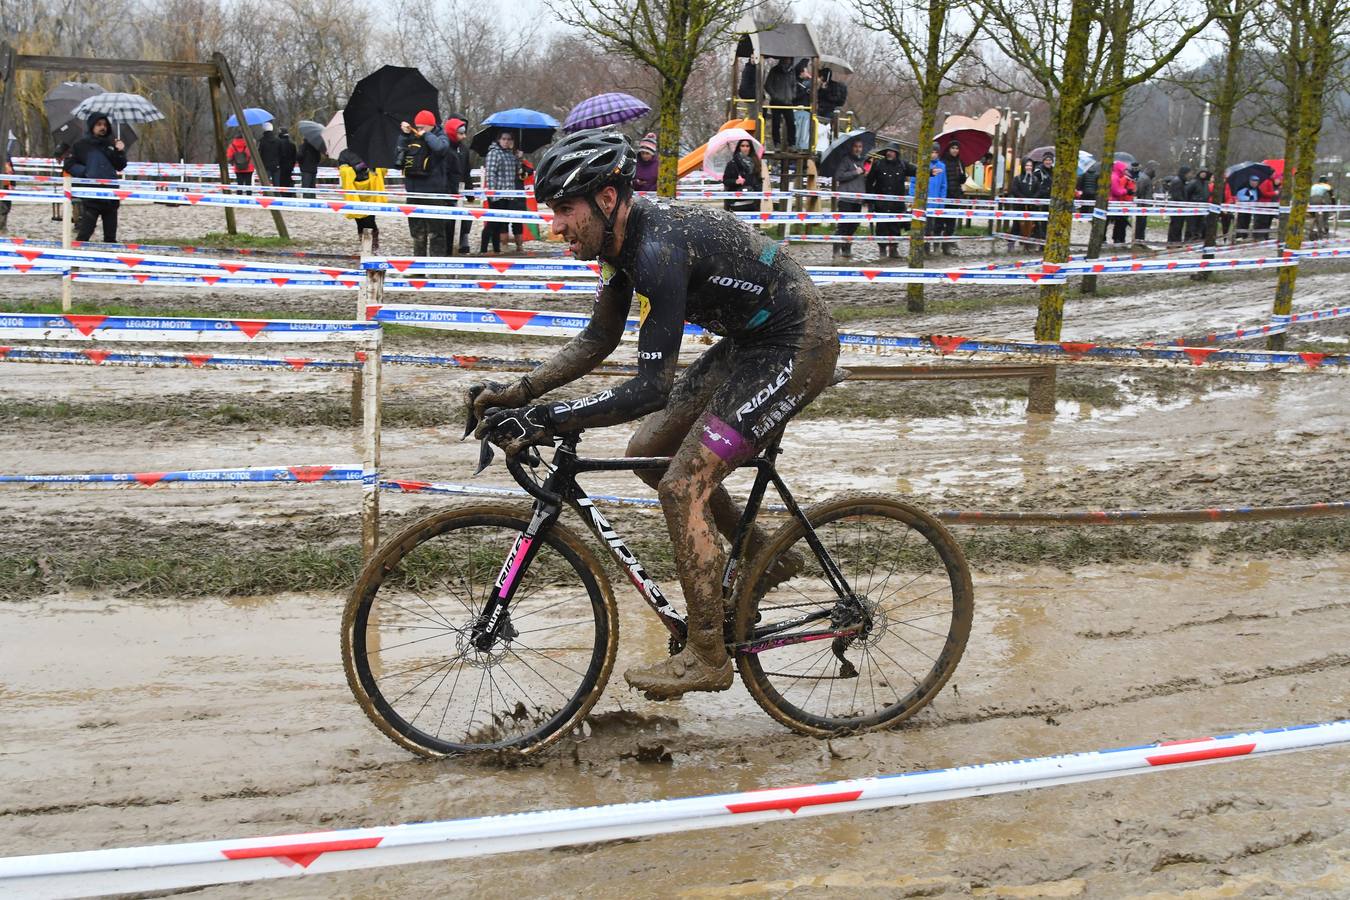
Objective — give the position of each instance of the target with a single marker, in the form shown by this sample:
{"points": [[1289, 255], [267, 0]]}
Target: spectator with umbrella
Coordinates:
{"points": [[1121, 191], [421, 155], [1248, 193], [500, 169], [269, 150], [286, 156], [849, 177], [888, 176], [1143, 190], [97, 155], [742, 173], [1268, 191], [956, 177], [355, 177], [310, 153]]}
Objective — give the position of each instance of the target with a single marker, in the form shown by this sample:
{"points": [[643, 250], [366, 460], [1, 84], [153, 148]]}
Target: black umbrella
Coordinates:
{"points": [[835, 153], [312, 133], [379, 104], [527, 139], [1237, 176]]}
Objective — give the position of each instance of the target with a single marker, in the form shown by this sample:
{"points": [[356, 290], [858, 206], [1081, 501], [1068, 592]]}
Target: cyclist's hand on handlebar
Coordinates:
{"points": [[515, 429], [485, 395]]}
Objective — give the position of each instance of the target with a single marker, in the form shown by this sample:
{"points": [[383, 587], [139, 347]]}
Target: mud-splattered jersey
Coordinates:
{"points": [[688, 263]]}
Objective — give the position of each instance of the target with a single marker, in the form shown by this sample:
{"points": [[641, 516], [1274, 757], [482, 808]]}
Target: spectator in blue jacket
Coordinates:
{"points": [[97, 155]]}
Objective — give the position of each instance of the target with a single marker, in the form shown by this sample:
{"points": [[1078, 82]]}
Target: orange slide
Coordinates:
{"points": [[693, 159]]}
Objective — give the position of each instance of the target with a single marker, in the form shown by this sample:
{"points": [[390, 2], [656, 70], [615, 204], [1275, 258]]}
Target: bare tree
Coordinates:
{"points": [[932, 37], [669, 37], [1064, 47], [1314, 41]]}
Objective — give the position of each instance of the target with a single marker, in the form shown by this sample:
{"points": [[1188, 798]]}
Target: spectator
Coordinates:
{"points": [[831, 95], [355, 176], [286, 160], [780, 90], [745, 88], [1089, 182], [97, 155], [500, 169], [269, 151], [1023, 186], [1122, 189], [1176, 192], [801, 116], [1321, 194], [956, 176], [420, 154], [742, 173], [309, 157], [648, 164], [1045, 183], [1143, 191], [6, 168], [240, 159], [1197, 191], [524, 176], [1268, 191], [937, 193], [456, 130], [982, 173], [850, 177], [888, 176], [1248, 193]]}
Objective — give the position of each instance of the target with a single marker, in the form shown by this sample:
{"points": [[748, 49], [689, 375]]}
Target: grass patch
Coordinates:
{"points": [[224, 239]]}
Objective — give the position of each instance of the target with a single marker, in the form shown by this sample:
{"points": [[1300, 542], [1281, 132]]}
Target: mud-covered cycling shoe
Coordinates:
{"points": [[680, 674]]}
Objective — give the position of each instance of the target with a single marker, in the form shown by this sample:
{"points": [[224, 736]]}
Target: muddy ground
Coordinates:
{"points": [[170, 666]]}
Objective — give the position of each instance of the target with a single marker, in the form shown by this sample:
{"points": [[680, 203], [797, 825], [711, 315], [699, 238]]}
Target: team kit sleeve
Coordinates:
{"points": [[661, 292]]}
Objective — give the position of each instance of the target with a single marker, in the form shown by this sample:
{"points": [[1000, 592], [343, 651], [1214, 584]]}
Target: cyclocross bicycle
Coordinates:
{"points": [[493, 627]]}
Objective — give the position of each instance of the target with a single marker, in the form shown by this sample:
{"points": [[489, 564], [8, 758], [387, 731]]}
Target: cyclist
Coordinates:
{"points": [[777, 352]]}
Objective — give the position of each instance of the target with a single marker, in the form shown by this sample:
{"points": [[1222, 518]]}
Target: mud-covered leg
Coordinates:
{"points": [[686, 492]]}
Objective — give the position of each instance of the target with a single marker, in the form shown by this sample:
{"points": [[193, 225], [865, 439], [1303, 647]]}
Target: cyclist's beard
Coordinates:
{"points": [[589, 237]]}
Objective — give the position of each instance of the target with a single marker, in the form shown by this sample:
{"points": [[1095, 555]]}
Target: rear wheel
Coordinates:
{"points": [[825, 664], [407, 636]]}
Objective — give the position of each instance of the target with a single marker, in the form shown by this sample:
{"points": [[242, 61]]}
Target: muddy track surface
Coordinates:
{"points": [[170, 667]]}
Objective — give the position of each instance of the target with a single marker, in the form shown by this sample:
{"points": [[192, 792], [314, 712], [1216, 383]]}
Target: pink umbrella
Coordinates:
{"points": [[973, 142], [720, 148]]}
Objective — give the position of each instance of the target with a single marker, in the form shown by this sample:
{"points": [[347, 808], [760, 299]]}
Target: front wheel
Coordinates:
{"points": [[409, 636], [864, 647]]}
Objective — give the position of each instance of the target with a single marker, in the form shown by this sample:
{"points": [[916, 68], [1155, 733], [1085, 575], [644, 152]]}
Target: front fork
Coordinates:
{"points": [[494, 622]]}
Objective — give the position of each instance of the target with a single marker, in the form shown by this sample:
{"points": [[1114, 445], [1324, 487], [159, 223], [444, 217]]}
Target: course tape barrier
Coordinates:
{"points": [[959, 517], [187, 249], [544, 324], [248, 475], [1277, 325], [11, 253], [71, 326], [170, 866]]}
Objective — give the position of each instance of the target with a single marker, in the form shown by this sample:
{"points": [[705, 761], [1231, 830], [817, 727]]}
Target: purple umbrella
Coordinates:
{"points": [[605, 109]]}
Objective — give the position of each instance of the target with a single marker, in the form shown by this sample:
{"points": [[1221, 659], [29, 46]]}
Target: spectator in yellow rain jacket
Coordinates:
{"points": [[355, 176]]}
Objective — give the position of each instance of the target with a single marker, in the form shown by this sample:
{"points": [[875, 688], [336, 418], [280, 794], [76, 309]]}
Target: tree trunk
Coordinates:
{"points": [[1115, 105], [1303, 137], [928, 104], [1226, 103], [668, 137]]}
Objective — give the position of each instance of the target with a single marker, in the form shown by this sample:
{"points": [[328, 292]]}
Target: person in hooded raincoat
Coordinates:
{"points": [[362, 184], [97, 155]]}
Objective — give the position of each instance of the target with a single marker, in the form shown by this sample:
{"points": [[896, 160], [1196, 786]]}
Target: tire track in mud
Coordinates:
{"points": [[1226, 619]]}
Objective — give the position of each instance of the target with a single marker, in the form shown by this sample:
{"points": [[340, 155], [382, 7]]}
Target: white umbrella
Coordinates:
{"points": [[722, 145], [118, 107], [335, 135]]}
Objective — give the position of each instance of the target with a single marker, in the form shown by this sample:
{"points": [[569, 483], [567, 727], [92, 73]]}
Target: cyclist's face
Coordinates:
{"points": [[574, 219]]}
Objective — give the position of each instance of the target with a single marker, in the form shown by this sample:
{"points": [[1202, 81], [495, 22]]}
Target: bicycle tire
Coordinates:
{"points": [[770, 675], [459, 553]]}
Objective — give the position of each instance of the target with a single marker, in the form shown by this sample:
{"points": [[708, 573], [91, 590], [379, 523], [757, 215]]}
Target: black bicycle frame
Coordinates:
{"points": [[561, 487]]}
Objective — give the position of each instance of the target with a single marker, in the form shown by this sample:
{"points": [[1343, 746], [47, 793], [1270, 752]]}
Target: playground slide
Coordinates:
{"points": [[693, 159]]}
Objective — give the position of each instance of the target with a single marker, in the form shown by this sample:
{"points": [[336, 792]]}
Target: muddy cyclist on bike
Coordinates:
{"points": [[777, 352]]}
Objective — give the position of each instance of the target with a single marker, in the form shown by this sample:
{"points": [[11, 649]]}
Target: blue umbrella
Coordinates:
{"points": [[521, 118], [252, 115]]}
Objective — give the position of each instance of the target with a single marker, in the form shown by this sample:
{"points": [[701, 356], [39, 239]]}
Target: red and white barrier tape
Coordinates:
{"points": [[171, 866]]}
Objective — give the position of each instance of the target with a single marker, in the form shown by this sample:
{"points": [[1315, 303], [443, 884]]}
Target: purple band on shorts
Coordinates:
{"points": [[722, 439]]}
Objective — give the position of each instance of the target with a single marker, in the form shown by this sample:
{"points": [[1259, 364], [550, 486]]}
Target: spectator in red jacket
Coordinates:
{"points": [[239, 158], [1122, 191], [1267, 191]]}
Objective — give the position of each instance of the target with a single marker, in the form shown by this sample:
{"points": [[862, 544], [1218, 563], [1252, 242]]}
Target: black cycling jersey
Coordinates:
{"points": [[695, 264]]}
